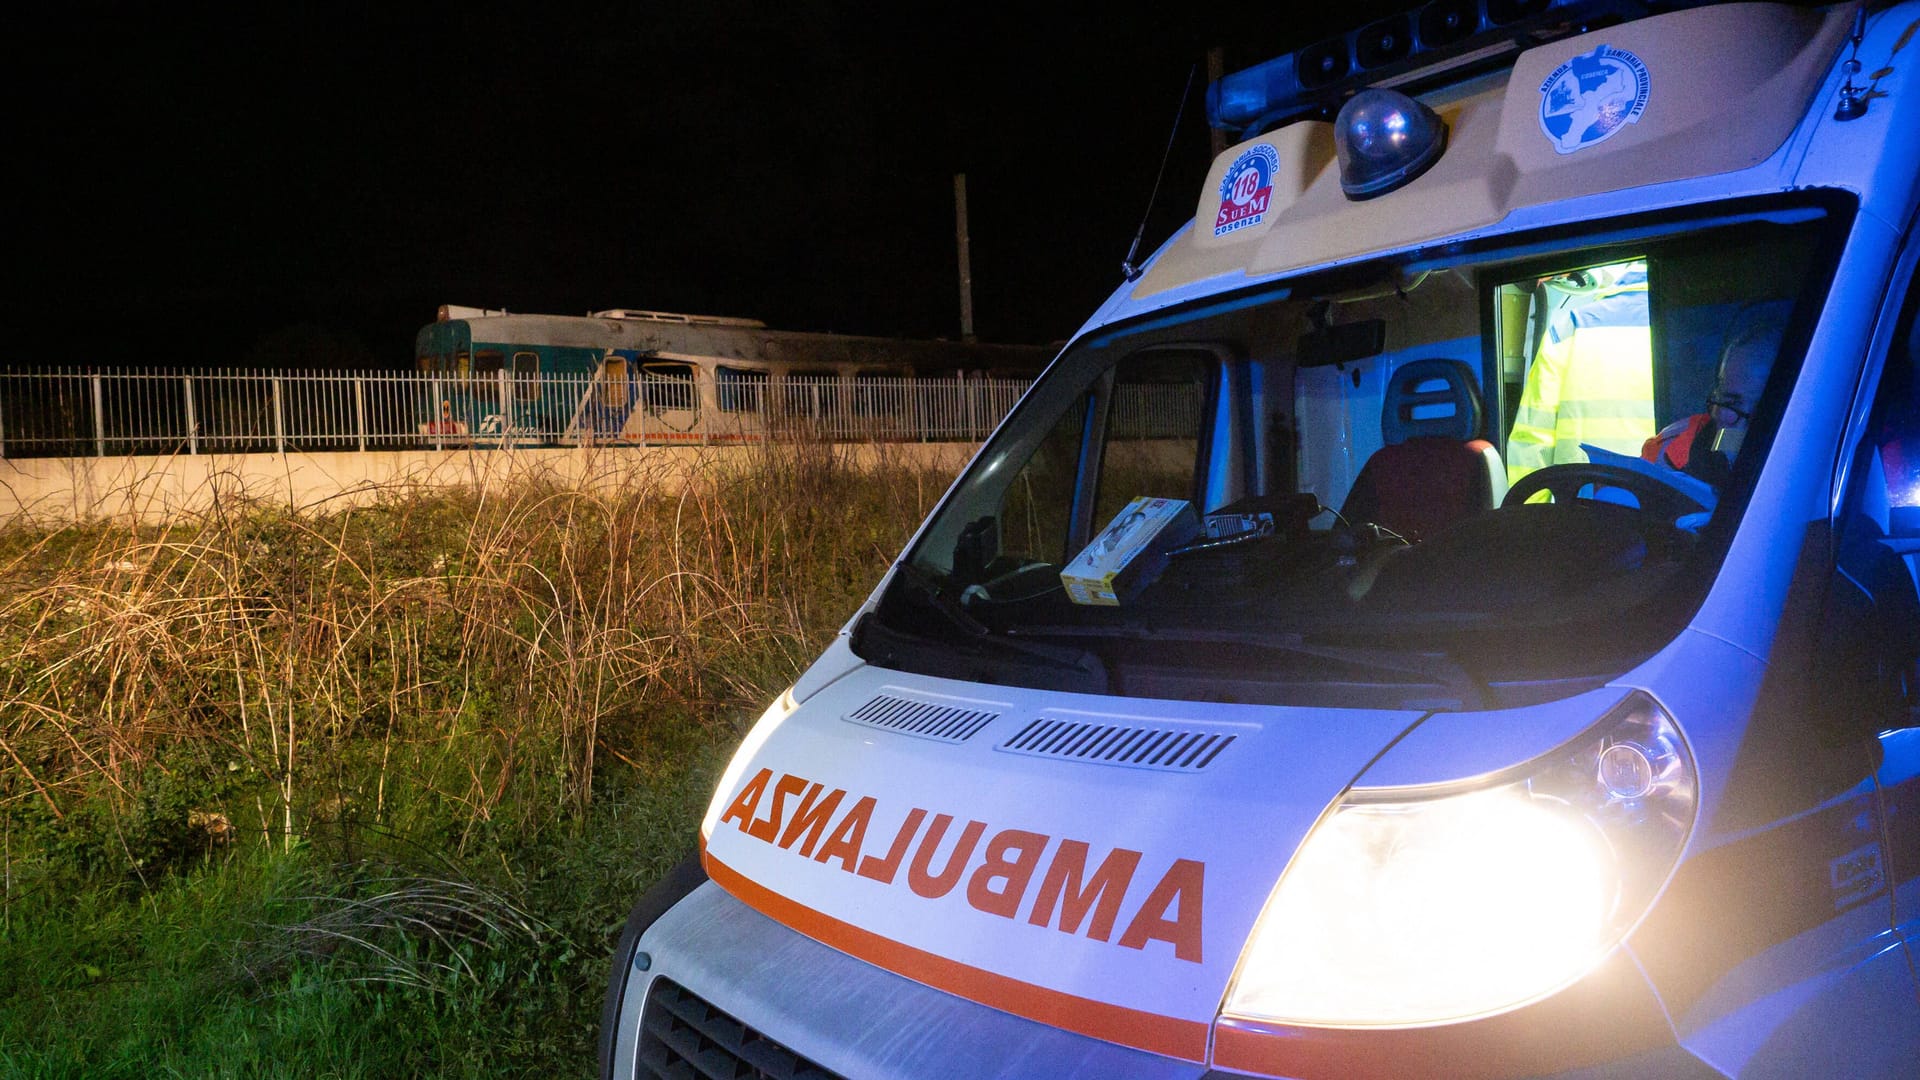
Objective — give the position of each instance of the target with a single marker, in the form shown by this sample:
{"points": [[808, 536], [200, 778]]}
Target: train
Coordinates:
{"points": [[625, 375]]}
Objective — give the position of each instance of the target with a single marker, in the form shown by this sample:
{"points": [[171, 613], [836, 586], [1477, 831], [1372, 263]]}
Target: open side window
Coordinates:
{"points": [[667, 386], [1576, 364], [740, 390], [1874, 598], [1153, 431]]}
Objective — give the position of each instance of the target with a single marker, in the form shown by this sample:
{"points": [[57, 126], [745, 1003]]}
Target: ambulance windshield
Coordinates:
{"points": [[1451, 480]]}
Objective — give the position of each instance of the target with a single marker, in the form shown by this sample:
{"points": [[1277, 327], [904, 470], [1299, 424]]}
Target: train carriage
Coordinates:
{"points": [[647, 377]]}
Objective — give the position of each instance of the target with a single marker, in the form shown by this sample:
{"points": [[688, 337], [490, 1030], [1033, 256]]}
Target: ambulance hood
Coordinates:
{"points": [[1090, 862]]}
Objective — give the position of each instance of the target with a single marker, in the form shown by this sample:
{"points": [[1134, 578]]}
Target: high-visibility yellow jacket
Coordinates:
{"points": [[1592, 382]]}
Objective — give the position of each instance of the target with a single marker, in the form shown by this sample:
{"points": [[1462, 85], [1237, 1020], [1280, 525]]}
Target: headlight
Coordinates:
{"points": [[1416, 907], [750, 746]]}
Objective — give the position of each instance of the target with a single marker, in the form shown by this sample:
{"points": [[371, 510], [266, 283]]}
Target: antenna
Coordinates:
{"points": [[1127, 267], [1853, 103]]}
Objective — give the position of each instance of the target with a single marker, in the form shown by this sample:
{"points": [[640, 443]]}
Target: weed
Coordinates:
{"points": [[367, 791]]}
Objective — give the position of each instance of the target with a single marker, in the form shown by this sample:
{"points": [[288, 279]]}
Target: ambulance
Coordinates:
{"points": [[1451, 613]]}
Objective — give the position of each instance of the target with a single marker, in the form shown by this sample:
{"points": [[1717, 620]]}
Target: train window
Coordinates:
{"points": [[462, 364], [526, 375], [487, 366], [668, 387], [812, 392], [740, 390], [423, 364], [874, 391]]}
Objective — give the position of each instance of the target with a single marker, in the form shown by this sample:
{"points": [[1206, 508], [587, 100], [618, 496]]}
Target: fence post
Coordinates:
{"points": [[360, 410], [279, 421], [506, 406], [99, 420], [972, 396], [3, 426], [434, 414], [193, 421]]}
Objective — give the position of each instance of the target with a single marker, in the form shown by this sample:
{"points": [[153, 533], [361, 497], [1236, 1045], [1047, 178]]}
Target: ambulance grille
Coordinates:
{"points": [[927, 719], [682, 1037], [1141, 747]]}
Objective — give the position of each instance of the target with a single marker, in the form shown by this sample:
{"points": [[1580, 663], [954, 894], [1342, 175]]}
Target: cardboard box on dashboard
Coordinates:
{"points": [[1130, 552]]}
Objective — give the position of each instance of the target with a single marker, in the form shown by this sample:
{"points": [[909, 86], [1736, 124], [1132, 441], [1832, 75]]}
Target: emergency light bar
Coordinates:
{"points": [[1445, 39]]}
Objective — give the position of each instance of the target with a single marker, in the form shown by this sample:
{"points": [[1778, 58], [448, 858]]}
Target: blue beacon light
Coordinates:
{"points": [[1384, 139]]}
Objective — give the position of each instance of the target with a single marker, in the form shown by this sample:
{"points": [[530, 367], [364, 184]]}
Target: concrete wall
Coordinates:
{"points": [[152, 489]]}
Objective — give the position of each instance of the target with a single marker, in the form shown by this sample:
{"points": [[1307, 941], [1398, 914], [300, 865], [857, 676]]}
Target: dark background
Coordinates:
{"points": [[303, 188]]}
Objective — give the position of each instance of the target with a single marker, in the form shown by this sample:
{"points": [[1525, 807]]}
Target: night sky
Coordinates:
{"points": [[305, 188]]}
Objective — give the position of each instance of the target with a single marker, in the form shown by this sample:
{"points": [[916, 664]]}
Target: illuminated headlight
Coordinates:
{"points": [[1414, 907], [757, 736]]}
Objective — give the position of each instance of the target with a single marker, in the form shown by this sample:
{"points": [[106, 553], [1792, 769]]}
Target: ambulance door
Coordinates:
{"points": [[1590, 380], [1876, 603]]}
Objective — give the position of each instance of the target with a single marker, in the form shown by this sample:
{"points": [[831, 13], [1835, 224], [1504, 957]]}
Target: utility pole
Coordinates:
{"points": [[1216, 70], [966, 261]]}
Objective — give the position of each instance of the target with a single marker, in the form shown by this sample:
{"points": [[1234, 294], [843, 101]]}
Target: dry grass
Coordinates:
{"points": [[444, 658], [367, 789]]}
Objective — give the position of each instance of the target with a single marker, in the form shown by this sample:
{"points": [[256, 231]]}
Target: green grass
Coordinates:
{"points": [[369, 792]]}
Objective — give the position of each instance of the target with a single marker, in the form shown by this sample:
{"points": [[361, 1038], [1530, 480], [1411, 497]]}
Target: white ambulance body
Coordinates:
{"points": [[1531, 690]]}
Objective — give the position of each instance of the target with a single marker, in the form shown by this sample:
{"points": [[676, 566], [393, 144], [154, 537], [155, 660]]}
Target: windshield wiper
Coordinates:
{"points": [[966, 630], [934, 592], [1437, 667]]}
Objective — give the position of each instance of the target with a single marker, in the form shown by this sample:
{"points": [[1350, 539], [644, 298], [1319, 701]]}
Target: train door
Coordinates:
{"points": [[530, 420], [606, 406], [486, 407]]}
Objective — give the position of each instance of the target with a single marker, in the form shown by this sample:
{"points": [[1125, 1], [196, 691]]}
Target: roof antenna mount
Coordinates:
{"points": [[1853, 100], [1128, 268]]}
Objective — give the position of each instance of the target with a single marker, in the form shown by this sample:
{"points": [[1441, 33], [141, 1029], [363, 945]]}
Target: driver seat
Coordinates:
{"points": [[1434, 469]]}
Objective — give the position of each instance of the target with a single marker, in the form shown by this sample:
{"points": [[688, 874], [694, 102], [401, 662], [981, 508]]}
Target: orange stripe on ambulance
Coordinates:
{"points": [[1068, 897]]}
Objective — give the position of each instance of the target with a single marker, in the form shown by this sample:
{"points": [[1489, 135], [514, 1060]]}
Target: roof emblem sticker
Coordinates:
{"points": [[1247, 189], [1588, 99]]}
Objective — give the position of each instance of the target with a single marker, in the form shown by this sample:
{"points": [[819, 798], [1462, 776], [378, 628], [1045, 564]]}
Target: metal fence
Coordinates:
{"points": [[99, 413]]}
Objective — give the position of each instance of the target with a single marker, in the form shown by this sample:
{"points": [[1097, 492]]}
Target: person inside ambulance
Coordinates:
{"points": [[1703, 445], [1592, 379]]}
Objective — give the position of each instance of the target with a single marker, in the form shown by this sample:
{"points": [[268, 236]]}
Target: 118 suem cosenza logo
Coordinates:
{"points": [[1247, 189]]}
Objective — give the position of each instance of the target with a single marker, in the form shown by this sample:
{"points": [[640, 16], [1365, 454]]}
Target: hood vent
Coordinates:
{"points": [[1146, 746], [942, 720]]}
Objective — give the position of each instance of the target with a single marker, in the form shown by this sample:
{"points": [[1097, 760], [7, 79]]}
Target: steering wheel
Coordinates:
{"points": [[1023, 573], [1564, 482]]}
